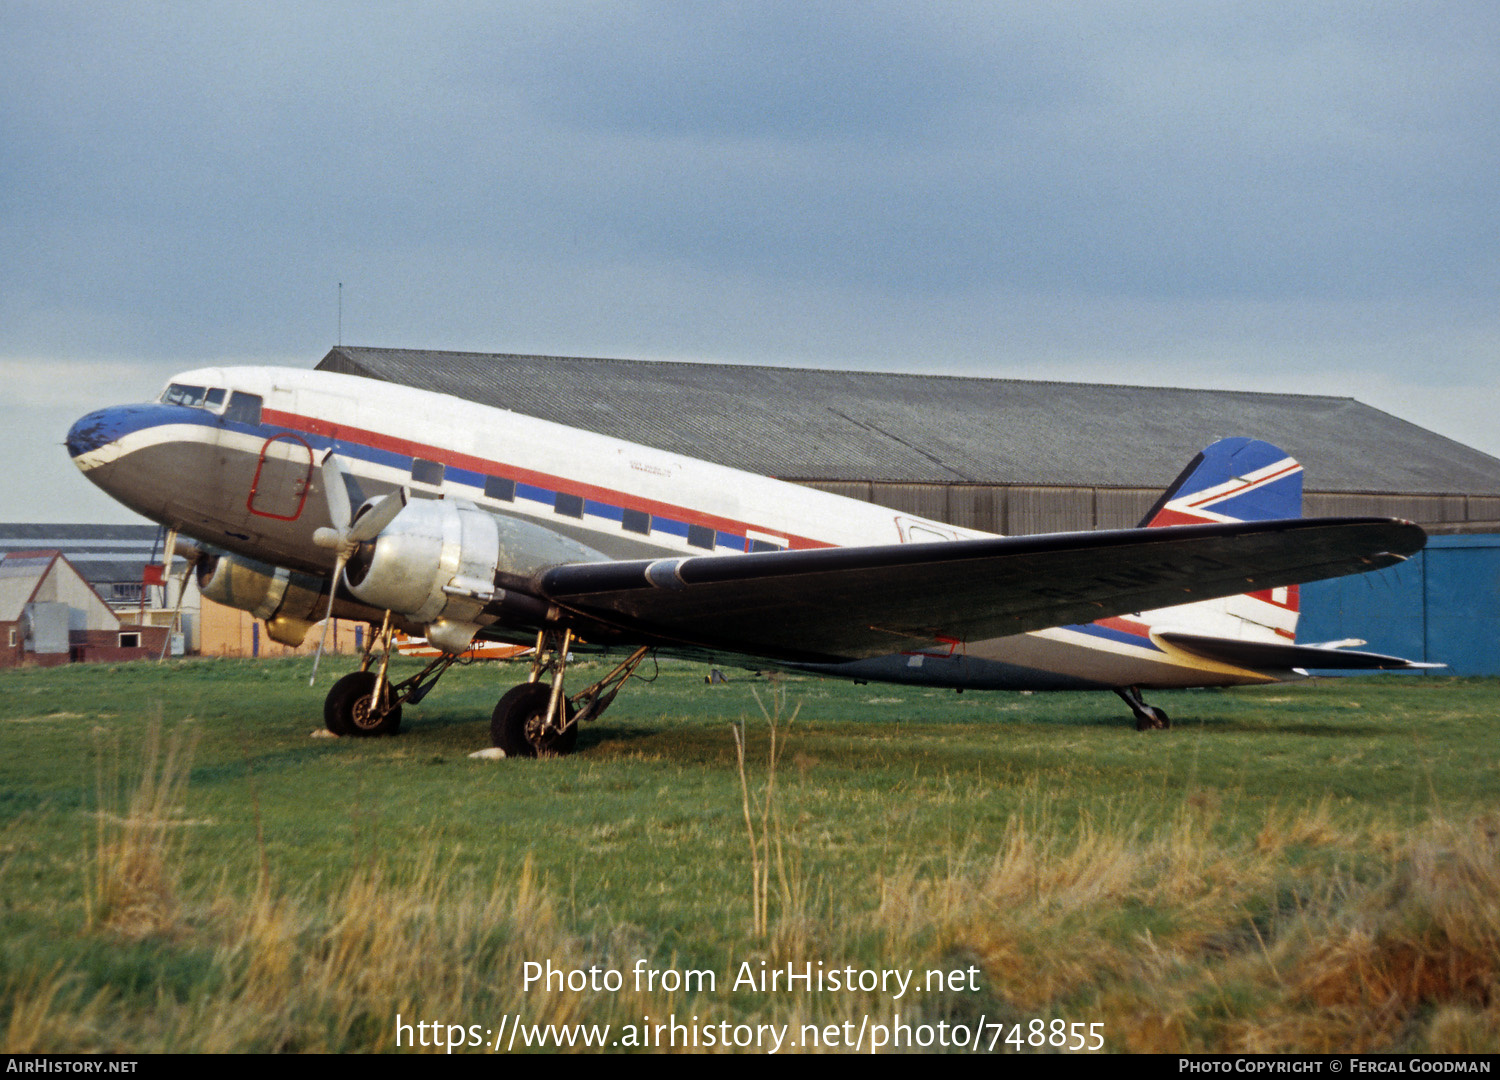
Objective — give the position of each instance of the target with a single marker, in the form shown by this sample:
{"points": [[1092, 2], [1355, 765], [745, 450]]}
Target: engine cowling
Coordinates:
{"points": [[288, 601], [437, 562]]}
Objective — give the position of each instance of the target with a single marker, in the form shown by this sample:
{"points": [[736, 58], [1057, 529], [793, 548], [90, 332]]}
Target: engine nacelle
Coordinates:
{"points": [[434, 563], [437, 561], [289, 602]]}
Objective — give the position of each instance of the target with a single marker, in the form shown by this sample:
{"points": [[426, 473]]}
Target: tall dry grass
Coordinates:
{"points": [[285, 970], [1181, 939], [1313, 931], [762, 813], [1415, 950], [137, 835]]}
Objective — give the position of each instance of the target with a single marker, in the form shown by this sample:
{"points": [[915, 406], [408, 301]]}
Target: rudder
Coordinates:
{"points": [[1238, 479], [1235, 479]]}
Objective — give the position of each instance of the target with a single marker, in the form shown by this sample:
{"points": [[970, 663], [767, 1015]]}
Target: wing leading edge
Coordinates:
{"points": [[834, 604]]}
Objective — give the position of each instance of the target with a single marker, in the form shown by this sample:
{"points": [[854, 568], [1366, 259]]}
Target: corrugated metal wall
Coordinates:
{"points": [[1419, 508], [1442, 606], [1021, 510]]}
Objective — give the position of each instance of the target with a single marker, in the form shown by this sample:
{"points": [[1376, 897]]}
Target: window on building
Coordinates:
{"points": [[130, 639]]}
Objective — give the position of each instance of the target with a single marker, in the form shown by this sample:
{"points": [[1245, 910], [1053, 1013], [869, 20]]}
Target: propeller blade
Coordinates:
{"points": [[336, 493], [369, 524], [338, 569]]}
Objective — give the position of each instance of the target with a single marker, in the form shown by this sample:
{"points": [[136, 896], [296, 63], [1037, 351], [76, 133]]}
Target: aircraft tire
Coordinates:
{"points": [[1157, 720], [346, 709], [516, 724]]}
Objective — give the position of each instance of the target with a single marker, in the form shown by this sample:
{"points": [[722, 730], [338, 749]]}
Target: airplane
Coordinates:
{"points": [[308, 494]]}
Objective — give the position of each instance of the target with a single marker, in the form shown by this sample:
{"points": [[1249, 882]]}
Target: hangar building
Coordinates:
{"points": [[1014, 456], [1002, 455]]}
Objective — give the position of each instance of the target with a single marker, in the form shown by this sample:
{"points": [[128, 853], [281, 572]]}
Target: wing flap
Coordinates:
{"points": [[831, 604]]}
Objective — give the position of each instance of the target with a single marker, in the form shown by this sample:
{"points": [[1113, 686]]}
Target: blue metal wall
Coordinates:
{"points": [[1442, 605]]}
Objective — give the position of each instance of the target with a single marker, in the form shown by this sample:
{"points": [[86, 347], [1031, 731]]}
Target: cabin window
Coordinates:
{"points": [[426, 472], [636, 521], [700, 536], [498, 487], [214, 399], [243, 408], [130, 640], [569, 505], [765, 545]]}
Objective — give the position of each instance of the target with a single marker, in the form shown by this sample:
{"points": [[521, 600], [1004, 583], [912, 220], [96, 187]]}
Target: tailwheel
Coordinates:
{"points": [[1147, 717], [1156, 719], [519, 724], [353, 707]]}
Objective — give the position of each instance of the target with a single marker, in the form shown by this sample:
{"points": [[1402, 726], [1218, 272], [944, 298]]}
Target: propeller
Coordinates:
{"points": [[348, 532]]}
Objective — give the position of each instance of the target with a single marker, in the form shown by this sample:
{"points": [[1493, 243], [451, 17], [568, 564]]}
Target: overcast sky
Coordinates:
{"points": [[1247, 196]]}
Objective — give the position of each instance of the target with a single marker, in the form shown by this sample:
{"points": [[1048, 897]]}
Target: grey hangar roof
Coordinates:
{"points": [[104, 555], [807, 424]]}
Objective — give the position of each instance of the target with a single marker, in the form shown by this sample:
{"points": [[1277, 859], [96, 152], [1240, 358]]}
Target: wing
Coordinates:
{"points": [[833, 604]]}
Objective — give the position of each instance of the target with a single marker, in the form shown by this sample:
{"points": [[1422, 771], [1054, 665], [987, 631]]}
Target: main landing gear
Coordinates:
{"points": [[536, 719], [364, 702], [1147, 717]]}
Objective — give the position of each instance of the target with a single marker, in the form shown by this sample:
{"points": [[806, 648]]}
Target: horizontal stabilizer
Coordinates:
{"points": [[1271, 656], [851, 602]]}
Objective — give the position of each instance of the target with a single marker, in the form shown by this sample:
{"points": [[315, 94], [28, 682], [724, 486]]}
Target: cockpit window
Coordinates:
{"points": [[243, 408], [182, 394]]}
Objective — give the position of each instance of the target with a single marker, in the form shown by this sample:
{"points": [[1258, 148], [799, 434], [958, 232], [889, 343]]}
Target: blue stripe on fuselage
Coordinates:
{"points": [[104, 426], [112, 424]]}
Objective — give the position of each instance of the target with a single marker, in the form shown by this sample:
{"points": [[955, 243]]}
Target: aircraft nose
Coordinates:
{"points": [[100, 428], [91, 432]]}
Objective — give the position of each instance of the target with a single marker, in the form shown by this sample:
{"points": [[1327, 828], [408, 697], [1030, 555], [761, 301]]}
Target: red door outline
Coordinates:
{"points": [[301, 486]]}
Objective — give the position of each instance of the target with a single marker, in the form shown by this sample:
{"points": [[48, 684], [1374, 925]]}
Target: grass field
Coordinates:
{"points": [[1311, 867]]}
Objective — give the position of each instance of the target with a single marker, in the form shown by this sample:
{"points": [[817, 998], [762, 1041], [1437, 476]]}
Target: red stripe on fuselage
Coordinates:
{"points": [[406, 447]]}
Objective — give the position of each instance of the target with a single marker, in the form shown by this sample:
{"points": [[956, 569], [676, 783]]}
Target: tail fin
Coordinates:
{"points": [[1232, 480], [1237, 480]]}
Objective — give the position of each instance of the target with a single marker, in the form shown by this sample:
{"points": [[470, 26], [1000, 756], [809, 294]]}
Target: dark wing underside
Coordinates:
{"points": [[832, 604]]}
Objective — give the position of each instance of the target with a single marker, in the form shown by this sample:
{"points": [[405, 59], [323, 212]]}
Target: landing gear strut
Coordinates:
{"points": [[364, 702], [1147, 717], [538, 720]]}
